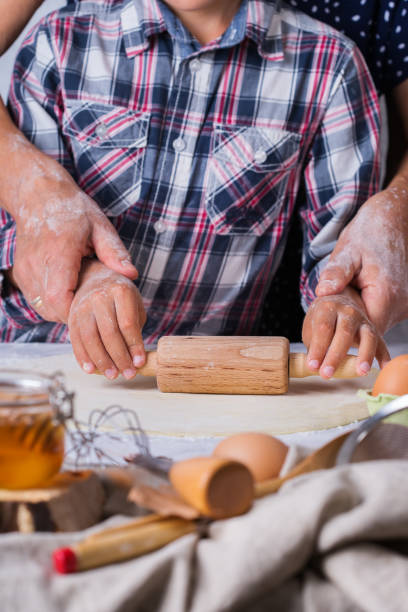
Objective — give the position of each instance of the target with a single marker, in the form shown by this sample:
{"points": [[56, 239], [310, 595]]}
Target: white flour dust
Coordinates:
{"points": [[348, 313], [377, 240], [101, 282]]}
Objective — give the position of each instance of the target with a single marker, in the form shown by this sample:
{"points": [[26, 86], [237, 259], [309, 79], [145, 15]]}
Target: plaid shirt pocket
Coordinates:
{"points": [[248, 174], [108, 144]]}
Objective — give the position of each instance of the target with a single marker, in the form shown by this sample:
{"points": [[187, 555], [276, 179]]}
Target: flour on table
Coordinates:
{"points": [[311, 403]]}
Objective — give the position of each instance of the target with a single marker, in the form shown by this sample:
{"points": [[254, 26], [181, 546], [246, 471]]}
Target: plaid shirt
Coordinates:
{"points": [[198, 154]]}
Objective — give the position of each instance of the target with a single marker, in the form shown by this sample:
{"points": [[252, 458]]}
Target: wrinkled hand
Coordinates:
{"points": [[332, 325], [105, 322], [57, 226], [372, 255]]}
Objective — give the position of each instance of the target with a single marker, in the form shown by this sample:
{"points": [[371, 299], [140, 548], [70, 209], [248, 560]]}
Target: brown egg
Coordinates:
{"points": [[393, 378], [262, 454]]}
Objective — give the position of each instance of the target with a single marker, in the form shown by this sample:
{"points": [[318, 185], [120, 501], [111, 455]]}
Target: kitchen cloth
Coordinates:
{"points": [[334, 540]]}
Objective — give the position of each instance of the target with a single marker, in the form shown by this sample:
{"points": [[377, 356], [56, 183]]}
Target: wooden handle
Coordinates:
{"points": [[298, 367], [126, 527], [150, 367], [244, 365], [219, 364], [129, 542], [322, 459]]}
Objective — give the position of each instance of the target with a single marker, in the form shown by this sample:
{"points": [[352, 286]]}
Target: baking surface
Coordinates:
{"points": [[311, 403], [17, 355]]}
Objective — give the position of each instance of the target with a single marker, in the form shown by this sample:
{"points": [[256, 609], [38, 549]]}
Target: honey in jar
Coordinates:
{"points": [[31, 428]]}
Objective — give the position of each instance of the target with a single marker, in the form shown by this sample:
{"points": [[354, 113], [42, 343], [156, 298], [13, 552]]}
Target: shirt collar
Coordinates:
{"points": [[257, 20], [140, 19], [264, 27]]}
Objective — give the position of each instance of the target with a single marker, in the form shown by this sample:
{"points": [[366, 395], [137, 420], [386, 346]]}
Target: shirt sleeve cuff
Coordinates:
{"points": [[15, 311], [308, 285], [7, 240]]}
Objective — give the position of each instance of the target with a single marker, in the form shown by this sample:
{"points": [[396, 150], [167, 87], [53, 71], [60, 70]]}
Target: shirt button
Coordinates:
{"points": [[160, 226], [179, 145], [260, 156], [195, 65], [101, 131]]}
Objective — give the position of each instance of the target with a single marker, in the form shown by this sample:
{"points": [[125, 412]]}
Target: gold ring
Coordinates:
{"points": [[37, 301]]}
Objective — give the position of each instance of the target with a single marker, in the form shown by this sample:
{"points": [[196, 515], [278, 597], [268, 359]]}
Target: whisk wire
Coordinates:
{"points": [[110, 424]]}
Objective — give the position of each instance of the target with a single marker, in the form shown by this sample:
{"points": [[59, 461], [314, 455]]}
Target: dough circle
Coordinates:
{"points": [[311, 403]]}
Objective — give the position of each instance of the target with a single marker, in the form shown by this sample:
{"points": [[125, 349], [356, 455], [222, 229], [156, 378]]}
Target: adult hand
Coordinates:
{"points": [[105, 322], [58, 225], [372, 256]]}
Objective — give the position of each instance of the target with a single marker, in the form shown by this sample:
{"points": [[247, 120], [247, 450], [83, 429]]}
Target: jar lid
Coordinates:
{"points": [[26, 388]]}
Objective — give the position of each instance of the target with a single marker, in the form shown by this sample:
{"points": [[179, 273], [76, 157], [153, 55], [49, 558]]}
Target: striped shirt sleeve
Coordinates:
{"points": [[343, 167]]}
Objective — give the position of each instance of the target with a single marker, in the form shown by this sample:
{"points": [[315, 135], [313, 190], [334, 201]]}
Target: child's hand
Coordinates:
{"points": [[332, 325], [105, 322]]}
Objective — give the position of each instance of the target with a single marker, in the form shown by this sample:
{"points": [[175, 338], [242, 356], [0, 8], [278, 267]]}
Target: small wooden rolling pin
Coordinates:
{"points": [[230, 364]]}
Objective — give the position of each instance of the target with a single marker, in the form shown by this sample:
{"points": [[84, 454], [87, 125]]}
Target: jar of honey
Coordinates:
{"points": [[33, 409]]}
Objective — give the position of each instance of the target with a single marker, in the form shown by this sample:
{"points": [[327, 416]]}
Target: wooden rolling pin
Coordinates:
{"points": [[244, 365]]}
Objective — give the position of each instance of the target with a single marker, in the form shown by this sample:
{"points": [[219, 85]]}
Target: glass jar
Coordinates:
{"points": [[33, 409]]}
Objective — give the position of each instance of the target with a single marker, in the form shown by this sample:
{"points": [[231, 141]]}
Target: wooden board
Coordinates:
{"points": [[311, 403], [69, 502]]}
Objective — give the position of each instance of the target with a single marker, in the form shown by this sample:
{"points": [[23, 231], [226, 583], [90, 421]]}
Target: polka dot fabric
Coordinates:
{"points": [[379, 27]]}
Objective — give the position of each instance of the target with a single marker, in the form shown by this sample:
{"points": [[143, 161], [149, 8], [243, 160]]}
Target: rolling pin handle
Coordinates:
{"points": [[150, 367], [298, 367]]}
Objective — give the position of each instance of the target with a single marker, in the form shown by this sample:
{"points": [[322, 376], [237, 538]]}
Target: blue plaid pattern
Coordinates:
{"points": [[198, 154]]}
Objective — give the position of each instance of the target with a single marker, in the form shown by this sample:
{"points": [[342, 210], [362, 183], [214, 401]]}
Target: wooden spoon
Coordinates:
{"points": [[323, 458]]}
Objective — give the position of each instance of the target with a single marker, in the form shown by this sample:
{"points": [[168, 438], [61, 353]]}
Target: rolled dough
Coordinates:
{"points": [[311, 403]]}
